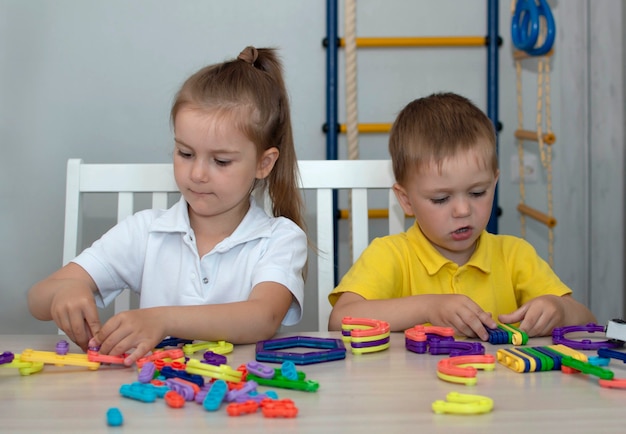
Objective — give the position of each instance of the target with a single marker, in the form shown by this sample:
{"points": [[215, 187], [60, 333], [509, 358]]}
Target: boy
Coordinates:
{"points": [[446, 269]]}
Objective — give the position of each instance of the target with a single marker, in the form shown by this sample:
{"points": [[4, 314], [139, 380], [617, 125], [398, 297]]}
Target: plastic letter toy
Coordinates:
{"points": [[460, 403]]}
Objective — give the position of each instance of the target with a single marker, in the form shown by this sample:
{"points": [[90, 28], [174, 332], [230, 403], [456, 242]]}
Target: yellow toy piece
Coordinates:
{"points": [[53, 358], [460, 403], [565, 350], [511, 360], [468, 381], [25, 368], [221, 372], [220, 347]]}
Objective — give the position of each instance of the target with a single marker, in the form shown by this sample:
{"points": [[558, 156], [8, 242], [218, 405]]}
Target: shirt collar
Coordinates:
{"points": [[434, 261], [255, 224]]}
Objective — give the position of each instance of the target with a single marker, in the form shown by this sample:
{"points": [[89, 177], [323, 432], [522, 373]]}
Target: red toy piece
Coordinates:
{"points": [[279, 408], [174, 399], [239, 408]]}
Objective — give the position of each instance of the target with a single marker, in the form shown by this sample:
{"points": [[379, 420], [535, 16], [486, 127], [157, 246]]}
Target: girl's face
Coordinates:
{"points": [[453, 205], [215, 165]]}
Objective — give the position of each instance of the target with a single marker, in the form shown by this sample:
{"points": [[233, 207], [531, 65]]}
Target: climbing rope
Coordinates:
{"points": [[533, 31]]}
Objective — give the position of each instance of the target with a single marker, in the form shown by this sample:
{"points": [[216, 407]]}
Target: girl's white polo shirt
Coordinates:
{"points": [[153, 252]]}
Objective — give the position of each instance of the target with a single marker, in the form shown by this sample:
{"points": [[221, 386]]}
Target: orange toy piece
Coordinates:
{"points": [[174, 399], [239, 408], [279, 408], [175, 353]]}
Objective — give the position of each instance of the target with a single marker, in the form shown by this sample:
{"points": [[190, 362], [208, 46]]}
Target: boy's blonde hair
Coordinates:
{"points": [[431, 129]]}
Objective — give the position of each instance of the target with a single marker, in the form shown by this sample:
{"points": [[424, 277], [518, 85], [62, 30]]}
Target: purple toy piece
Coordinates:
{"points": [[146, 374], [212, 358], [558, 337], [62, 347], [419, 347], [260, 370], [367, 344], [330, 349], [6, 357], [456, 348]]}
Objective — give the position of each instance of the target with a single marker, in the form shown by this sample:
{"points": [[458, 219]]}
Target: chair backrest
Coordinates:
{"points": [[324, 177]]}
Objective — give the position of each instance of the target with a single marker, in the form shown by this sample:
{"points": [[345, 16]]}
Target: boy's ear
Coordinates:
{"points": [[403, 199], [266, 163]]}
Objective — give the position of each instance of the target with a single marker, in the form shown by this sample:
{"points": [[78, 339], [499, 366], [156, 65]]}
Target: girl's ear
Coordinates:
{"points": [[266, 163], [403, 199]]}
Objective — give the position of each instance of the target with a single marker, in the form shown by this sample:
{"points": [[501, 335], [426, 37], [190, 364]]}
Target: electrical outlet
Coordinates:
{"points": [[531, 168]]}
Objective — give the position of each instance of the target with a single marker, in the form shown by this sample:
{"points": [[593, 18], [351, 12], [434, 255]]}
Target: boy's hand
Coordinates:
{"points": [[74, 311], [539, 316], [138, 329], [462, 314]]}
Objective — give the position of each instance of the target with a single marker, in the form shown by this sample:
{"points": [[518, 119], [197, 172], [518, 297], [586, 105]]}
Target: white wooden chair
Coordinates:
{"points": [[324, 176]]}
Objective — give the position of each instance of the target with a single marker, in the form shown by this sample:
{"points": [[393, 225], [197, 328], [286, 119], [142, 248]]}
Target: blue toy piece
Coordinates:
{"points": [[330, 349], [288, 370], [137, 392], [215, 395], [114, 417]]}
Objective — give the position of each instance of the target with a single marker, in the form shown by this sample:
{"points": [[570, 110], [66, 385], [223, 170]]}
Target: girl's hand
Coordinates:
{"points": [[138, 329], [74, 311], [539, 316], [461, 313]]}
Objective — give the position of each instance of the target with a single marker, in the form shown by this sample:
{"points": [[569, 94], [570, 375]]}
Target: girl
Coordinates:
{"points": [[214, 266]]}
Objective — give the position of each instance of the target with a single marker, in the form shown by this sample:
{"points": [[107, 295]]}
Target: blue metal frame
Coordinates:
{"points": [[332, 123]]}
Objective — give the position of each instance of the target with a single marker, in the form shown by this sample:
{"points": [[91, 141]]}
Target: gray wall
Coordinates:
{"points": [[95, 80]]}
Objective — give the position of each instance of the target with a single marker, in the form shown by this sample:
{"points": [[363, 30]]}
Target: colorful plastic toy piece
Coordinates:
{"points": [[459, 403], [184, 388], [587, 368], [215, 395], [62, 347], [364, 327], [558, 337], [174, 400], [94, 356], [222, 372], [173, 354], [212, 358], [6, 357], [138, 393], [330, 349], [173, 342], [169, 372], [244, 391], [612, 354], [220, 347], [288, 370], [52, 358], [513, 360], [260, 370], [114, 417], [239, 408], [284, 383], [279, 408], [466, 366], [498, 336], [518, 337], [147, 372], [616, 383], [455, 348], [567, 351], [24, 368]]}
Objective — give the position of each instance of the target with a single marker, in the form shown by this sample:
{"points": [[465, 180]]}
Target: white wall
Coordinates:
{"points": [[95, 80]]}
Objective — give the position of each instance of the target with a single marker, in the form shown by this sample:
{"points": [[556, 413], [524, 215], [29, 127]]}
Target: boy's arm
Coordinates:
{"points": [[449, 310], [255, 319], [542, 314]]}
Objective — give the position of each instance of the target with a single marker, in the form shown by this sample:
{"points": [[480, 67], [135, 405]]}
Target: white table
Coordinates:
{"points": [[385, 392]]}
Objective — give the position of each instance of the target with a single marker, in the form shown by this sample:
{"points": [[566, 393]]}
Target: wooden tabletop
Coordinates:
{"points": [[385, 392]]}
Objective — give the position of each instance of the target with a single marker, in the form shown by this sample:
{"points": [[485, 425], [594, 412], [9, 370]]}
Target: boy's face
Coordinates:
{"points": [[452, 206]]}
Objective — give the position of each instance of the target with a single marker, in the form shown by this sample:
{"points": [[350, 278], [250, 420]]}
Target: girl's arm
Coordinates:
{"points": [[449, 310], [67, 297], [257, 318]]}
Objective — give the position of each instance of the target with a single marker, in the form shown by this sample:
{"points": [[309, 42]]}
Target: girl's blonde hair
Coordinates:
{"points": [[251, 92], [431, 129]]}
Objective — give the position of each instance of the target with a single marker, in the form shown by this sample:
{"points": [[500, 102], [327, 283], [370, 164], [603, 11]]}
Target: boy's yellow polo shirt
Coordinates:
{"points": [[503, 273]]}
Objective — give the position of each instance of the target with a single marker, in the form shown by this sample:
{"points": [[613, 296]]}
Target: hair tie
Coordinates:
{"points": [[249, 55]]}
